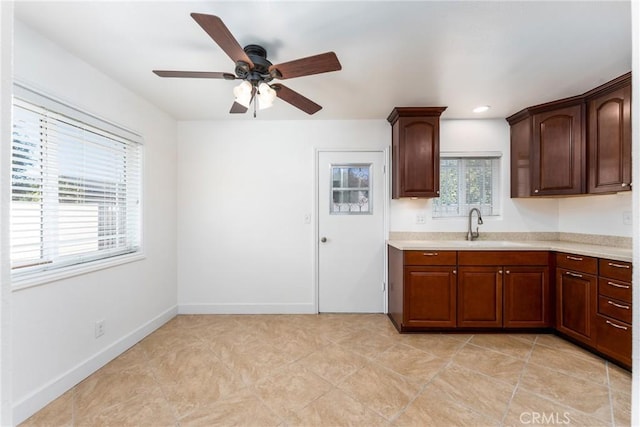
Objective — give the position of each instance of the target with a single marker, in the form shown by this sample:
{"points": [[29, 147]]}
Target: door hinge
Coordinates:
{"points": [[384, 169], [384, 286]]}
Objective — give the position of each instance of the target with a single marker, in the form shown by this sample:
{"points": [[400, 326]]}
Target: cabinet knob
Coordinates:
{"points": [[455, 272], [508, 272], [499, 271], [624, 184], [536, 191], [323, 239]]}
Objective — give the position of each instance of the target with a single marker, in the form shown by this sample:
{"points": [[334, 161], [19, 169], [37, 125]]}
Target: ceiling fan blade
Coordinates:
{"points": [[238, 108], [195, 74], [295, 99], [316, 64], [222, 36]]}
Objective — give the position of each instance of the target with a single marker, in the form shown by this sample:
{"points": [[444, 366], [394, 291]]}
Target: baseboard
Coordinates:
{"points": [[300, 308], [56, 388]]}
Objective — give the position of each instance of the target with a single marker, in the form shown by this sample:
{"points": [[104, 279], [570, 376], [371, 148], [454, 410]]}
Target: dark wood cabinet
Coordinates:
{"points": [[515, 284], [480, 297], [415, 156], [577, 145], [558, 152], [430, 296], [589, 302], [613, 321], [422, 289], [609, 137], [576, 297], [527, 299]]}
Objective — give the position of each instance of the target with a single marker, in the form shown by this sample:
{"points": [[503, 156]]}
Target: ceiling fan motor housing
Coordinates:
{"points": [[260, 71]]}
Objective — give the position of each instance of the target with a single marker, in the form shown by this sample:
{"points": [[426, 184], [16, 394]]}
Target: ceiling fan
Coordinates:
{"points": [[257, 72]]}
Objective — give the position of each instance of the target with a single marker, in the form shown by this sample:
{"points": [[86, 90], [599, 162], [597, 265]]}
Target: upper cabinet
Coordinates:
{"points": [[558, 152], [609, 136], [573, 146], [415, 157]]}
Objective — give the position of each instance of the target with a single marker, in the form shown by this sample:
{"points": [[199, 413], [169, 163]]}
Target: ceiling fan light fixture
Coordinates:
{"points": [[266, 96], [242, 93]]}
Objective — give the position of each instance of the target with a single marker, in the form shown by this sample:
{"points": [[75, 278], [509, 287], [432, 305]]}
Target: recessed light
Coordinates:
{"points": [[481, 109]]}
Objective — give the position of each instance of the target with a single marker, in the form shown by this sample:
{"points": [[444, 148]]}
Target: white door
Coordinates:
{"points": [[351, 231]]}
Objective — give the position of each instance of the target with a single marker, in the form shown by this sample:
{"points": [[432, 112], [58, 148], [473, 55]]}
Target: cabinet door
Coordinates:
{"points": [[521, 158], [558, 152], [480, 297], [527, 301], [576, 297], [417, 149], [610, 142], [429, 297]]}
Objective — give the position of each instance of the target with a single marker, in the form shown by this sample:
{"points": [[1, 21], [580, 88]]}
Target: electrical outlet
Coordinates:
{"points": [[99, 328], [420, 218], [627, 218]]}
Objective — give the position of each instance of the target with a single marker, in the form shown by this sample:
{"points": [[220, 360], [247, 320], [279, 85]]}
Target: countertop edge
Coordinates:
{"points": [[609, 252]]}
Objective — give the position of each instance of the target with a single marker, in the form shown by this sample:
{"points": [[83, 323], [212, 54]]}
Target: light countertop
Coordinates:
{"points": [[599, 251]]}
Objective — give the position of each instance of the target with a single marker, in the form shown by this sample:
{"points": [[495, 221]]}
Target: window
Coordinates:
{"points": [[468, 182], [75, 187], [350, 189]]}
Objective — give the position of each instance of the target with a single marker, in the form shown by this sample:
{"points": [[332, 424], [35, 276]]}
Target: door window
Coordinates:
{"points": [[350, 189]]}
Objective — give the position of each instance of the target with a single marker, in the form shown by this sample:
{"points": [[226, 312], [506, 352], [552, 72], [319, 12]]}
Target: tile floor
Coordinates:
{"points": [[333, 370]]}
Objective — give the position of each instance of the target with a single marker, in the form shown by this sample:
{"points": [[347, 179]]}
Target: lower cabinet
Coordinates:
{"points": [[480, 297], [528, 302], [504, 289], [589, 302], [576, 305], [430, 295], [613, 321]]}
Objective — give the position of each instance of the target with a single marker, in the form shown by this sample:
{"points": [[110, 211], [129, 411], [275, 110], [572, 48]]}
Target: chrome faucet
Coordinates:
{"points": [[471, 235]]}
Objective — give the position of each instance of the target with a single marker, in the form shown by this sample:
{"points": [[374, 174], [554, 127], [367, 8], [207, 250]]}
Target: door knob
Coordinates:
{"points": [[323, 239]]}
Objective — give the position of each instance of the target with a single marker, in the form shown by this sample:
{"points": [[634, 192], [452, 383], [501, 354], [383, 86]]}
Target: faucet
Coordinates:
{"points": [[471, 235]]}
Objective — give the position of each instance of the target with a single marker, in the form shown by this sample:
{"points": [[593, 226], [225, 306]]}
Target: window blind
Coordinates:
{"points": [[75, 190]]}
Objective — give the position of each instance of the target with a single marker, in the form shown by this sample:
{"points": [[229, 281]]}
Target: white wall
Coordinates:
{"points": [[6, 55], [602, 214], [244, 188], [53, 324]]}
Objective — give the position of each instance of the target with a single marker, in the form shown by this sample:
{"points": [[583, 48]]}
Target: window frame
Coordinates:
{"points": [[496, 184], [26, 277]]}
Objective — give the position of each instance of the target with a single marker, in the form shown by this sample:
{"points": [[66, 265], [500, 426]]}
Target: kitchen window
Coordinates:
{"points": [[75, 188], [468, 181]]}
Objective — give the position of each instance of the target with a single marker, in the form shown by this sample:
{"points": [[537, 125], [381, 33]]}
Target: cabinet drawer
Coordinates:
{"points": [[619, 310], [577, 262], [430, 257], [615, 289], [615, 269], [614, 339], [503, 258]]}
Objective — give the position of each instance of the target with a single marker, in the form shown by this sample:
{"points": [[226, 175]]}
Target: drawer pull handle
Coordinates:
{"points": [[616, 285], [574, 258], [430, 254], [616, 326], [626, 307], [574, 274], [613, 264]]}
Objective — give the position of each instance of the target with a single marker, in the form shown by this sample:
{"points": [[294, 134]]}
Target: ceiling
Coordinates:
{"points": [[507, 54]]}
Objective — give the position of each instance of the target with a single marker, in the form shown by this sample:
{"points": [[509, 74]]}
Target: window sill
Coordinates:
{"points": [[38, 279]]}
